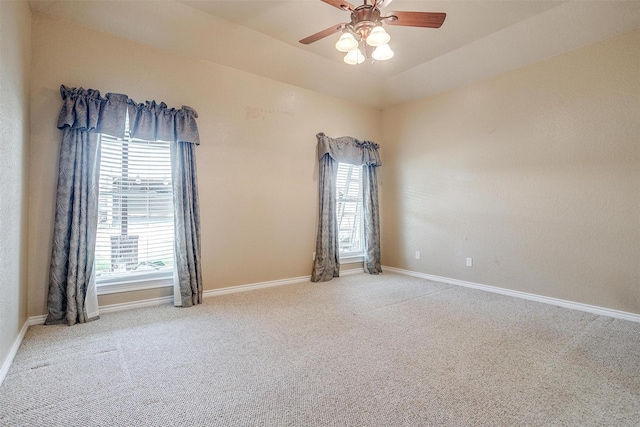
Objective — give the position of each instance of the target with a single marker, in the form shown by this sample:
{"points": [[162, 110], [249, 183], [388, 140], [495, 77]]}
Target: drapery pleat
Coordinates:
{"points": [[326, 264], [71, 275], [332, 151], [83, 116], [188, 270]]}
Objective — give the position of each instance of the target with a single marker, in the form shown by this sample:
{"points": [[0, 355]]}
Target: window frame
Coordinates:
{"points": [[354, 256], [142, 280], [118, 284]]}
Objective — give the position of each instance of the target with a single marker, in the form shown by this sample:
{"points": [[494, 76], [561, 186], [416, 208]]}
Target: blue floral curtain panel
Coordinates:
{"points": [[371, 220], [188, 281], [332, 151], [71, 275], [327, 263], [83, 116]]}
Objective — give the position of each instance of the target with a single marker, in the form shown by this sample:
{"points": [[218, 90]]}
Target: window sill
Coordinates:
{"points": [[349, 259], [115, 285]]}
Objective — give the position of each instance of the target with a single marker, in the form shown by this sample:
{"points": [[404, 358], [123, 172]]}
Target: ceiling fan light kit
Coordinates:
{"points": [[382, 53], [354, 57], [366, 29], [346, 42], [377, 37]]}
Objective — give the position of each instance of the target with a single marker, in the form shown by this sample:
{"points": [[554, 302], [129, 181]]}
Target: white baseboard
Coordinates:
{"points": [[6, 364], [601, 311], [36, 320], [254, 286], [269, 284]]}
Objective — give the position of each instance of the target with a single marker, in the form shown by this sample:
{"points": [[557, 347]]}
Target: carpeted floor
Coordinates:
{"points": [[360, 350]]}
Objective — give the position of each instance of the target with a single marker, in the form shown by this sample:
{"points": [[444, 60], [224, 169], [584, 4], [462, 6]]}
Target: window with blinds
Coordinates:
{"points": [[135, 224], [349, 210]]}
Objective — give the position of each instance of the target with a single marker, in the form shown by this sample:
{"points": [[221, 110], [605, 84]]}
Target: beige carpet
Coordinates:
{"points": [[360, 350]]}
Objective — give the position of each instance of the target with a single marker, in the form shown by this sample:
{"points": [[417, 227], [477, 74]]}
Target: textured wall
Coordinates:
{"points": [[534, 173], [256, 165], [15, 56]]}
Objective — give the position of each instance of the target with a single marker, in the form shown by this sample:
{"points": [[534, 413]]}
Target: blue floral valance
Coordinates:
{"points": [[346, 149], [85, 109]]}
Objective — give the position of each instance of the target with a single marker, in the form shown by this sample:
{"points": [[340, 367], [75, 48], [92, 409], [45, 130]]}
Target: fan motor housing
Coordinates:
{"points": [[364, 18]]}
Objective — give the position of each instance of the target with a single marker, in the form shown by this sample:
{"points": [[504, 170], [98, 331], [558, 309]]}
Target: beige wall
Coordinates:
{"points": [[15, 57], [534, 173], [256, 165]]}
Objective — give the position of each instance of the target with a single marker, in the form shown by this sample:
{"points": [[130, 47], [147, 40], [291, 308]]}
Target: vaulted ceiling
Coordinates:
{"points": [[479, 39]]}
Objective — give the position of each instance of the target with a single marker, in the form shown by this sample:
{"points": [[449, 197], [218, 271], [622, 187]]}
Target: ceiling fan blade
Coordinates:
{"points": [[416, 19], [344, 5], [324, 33]]}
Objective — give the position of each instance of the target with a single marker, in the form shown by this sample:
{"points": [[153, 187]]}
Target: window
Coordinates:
{"points": [[134, 242], [349, 210]]}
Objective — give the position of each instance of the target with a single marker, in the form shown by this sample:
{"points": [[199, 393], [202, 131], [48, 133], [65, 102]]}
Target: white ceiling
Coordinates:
{"points": [[479, 38], [290, 21]]}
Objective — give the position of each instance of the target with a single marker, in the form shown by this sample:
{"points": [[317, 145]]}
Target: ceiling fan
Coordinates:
{"points": [[365, 28]]}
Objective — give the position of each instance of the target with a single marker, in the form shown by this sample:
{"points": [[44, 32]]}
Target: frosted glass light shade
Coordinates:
{"points": [[378, 36], [382, 53], [346, 42], [354, 57]]}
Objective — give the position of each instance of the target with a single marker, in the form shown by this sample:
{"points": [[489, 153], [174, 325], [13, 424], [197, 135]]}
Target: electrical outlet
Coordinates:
{"points": [[313, 256], [417, 254], [469, 262]]}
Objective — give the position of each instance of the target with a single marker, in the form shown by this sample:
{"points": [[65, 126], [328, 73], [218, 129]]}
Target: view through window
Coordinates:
{"points": [[135, 224], [349, 210]]}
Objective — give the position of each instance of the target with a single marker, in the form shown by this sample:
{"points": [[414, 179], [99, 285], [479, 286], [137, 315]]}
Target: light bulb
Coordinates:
{"points": [[354, 57], [346, 42], [382, 53], [378, 36]]}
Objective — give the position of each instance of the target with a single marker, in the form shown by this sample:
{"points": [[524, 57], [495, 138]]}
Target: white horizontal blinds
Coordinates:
{"points": [[135, 224], [349, 209]]}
